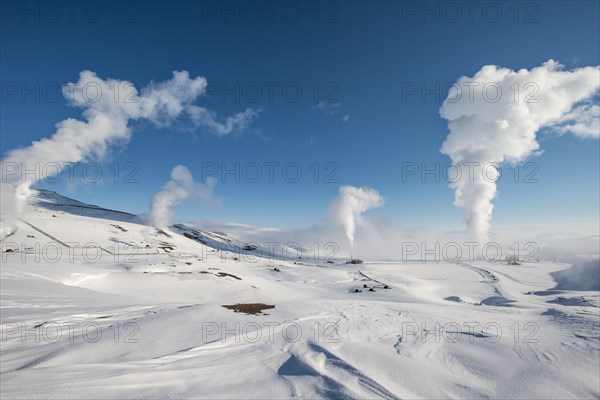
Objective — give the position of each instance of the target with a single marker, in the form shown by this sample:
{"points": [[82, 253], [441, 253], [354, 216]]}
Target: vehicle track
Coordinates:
{"points": [[44, 233], [489, 278]]}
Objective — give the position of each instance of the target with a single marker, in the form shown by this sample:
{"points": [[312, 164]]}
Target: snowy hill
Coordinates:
{"points": [[95, 304]]}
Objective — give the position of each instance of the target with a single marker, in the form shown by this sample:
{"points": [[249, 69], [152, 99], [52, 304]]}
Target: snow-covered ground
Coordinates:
{"points": [[94, 304]]}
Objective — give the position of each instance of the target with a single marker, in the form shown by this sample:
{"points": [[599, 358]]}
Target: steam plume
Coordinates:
{"points": [[181, 187], [497, 122], [350, 203], [108, 106]]}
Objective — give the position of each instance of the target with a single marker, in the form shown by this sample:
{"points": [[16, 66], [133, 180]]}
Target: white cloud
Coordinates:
{"points": [[163, 101], [583, 121], [207, 119], [332, 108], [329, 108]]}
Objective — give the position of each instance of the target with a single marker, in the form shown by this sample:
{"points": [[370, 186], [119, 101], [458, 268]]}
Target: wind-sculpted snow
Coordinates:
{"points": [[96, 304]]}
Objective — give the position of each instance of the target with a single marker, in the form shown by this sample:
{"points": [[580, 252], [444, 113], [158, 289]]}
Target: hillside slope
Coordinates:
{"points": [[95, 304]]}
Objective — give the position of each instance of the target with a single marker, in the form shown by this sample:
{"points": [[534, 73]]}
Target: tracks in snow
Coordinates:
{"points": [[503, 299], [35, 228]]}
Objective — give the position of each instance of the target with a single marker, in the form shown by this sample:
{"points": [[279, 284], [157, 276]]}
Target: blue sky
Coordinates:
{"points": [[360, 54]]}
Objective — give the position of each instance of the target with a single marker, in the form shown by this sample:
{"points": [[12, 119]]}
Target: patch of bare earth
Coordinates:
{"points": [[249, 308], [224, 274]]}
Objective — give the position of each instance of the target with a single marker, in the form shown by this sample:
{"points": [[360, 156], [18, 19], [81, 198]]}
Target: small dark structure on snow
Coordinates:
{"points": [[513, 260]]}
